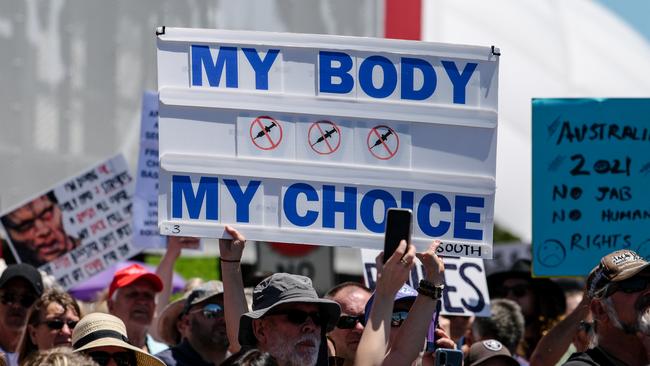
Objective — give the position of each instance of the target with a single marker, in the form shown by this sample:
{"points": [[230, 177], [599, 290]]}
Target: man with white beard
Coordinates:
{"points": [[289, 320], [620, 305]]}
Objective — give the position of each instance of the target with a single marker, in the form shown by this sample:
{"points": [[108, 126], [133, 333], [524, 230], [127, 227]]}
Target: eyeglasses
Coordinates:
{"points": [[349, 322], [120, 358], [398, 318], [9, 298], [629, 286], [56, 324], [299, 317], [517, 290], [212, 311]]}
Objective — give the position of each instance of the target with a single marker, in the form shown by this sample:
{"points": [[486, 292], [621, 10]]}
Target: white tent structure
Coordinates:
{"points": [[549, 49]]}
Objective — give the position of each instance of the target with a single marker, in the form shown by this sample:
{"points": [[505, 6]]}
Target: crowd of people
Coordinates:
{"points": [[285, 322]]}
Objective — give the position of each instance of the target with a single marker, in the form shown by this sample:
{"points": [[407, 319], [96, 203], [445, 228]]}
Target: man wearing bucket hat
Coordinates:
{"points": [[289, 320], [620, 306], [20, 286], [131, 297], [205, 342], [103, 338]]}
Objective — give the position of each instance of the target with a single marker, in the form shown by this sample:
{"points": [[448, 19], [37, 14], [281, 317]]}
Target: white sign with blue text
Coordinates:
{"points": [[310, 139]]}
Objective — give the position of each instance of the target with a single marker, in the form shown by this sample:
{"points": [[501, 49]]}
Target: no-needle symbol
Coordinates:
{"points": [[266, 133], [324, 137], [383, 142]]}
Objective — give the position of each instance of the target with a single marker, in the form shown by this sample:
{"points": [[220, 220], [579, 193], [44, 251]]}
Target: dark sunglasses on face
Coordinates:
{"points": [[299, 317], [629, 286], [398, 318], [212, 311], [517, 290], [349, 322], [121, 358], [56, 324], [8, 298]]}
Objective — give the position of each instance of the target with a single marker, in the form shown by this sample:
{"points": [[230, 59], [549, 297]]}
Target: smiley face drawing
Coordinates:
{"points": [[551, 253], [643, 250]]}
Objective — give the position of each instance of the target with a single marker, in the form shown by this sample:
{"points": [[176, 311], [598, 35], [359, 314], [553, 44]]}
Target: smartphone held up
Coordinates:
{"points": [[398, 228]]}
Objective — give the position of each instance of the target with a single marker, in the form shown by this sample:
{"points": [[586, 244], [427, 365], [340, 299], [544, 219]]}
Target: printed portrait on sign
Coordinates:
{"points": [[36, 231]]}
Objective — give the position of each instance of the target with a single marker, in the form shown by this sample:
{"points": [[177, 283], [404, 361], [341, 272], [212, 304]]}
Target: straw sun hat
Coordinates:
{"points": [[99, 330]]}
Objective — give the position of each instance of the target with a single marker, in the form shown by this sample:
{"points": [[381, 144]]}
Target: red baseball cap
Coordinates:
{"points": [[132, 273]]}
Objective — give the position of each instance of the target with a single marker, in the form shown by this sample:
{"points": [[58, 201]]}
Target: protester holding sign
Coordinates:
{"points": [[377, 347]]}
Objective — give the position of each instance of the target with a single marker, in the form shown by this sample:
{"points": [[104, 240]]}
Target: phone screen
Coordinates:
{"points": [[398, 227]]}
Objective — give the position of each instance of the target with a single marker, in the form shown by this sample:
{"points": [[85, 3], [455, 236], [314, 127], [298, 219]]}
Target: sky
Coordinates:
{"points": [[634, 12]]}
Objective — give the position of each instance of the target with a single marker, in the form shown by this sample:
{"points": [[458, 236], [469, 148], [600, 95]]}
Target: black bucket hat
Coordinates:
{"points": [[551, 291], [284, 288]]}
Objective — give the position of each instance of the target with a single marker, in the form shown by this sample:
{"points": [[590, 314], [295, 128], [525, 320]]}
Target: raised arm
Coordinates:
{"points": [[413, 332], [554, 344], [165, 271], [234, 299], [390, 278]]}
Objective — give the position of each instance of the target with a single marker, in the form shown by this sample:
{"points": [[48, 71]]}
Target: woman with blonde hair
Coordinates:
{"points": [[49, 323]]}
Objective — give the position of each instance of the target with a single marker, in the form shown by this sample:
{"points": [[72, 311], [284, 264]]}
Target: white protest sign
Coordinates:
{"points": [[145, 199], [79, 227], [465, 293], [309, 138]]}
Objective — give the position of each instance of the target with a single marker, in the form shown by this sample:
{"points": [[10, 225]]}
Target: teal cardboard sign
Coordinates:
{"points": [[591, 182]]}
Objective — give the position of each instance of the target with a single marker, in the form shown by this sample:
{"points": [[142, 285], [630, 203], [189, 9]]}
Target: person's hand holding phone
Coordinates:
{"points": [[394, 273]]}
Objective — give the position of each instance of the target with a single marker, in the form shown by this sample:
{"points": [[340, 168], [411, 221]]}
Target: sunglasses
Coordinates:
{"points": [[349, 322], [398, 318], [56, 324], [8, 298], [120, 358], [629, 286], [209, 311], [517, 290], [299, 317]]}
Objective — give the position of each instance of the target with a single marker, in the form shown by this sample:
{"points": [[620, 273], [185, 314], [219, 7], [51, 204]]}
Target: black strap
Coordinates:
{"points": [[98, 335]]}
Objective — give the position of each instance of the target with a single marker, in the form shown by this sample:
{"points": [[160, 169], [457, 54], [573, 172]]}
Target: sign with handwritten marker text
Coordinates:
{"points": [[591, 173]]}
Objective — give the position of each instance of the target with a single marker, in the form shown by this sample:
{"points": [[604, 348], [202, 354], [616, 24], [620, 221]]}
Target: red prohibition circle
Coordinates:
{"points": [[324, 135], [262, 131], [377, 140]]}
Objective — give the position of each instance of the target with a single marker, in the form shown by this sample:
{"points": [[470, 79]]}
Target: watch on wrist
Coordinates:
{"points": [[431, 290]]}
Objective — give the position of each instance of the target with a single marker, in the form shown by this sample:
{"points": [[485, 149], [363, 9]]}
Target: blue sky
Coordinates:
{"points": [[634, 12]]}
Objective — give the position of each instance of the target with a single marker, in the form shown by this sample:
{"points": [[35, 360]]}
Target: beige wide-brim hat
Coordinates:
{"points": [[167, 321], [100, 330]]}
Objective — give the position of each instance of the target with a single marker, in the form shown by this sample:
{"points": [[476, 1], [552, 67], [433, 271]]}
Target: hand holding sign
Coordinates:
{"points": [[231, 250], [434, 268], [175, 244]]}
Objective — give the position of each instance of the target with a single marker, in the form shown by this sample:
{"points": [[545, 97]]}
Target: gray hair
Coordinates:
{"points": [[506, 324]]}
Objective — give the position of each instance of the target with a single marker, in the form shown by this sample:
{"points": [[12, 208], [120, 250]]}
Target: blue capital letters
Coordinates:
{"points": [[327, 71], [260, 66], [459, 80], [424, 210], [227, 58], [242, 199], [429, 79], [368, 205], [348, 207], [389, 72], [290, 204], [208, 192], [462, 217]]}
